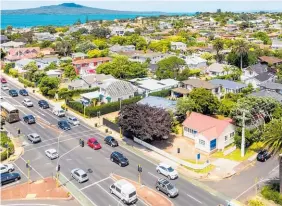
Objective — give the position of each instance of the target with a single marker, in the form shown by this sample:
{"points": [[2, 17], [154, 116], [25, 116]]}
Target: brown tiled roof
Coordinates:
{"points": [[197, 83], [270, 60], [181, 90], [84, 61]]}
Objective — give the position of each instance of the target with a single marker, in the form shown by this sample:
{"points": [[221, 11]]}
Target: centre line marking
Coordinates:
{"points": [[194, 199], [95, 183], [153, 175]]}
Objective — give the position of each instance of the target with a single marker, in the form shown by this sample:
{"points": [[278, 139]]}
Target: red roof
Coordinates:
{"points": [[23, 50], [209, 127], [87, 61]]}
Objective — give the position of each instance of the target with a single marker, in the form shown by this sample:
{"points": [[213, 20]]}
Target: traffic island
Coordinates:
{"points": [[41, 189], [146, 194]]}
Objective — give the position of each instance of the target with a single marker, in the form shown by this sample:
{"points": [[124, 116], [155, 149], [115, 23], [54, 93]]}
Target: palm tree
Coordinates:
{"points": [[273, 140], [218, 45], [241, 48]]}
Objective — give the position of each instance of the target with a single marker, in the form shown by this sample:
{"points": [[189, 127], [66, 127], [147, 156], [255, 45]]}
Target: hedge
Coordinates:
{"points": [[91, 111], [162, 93], [5, 139], [270, 192], [71, 93], [26, 82]]}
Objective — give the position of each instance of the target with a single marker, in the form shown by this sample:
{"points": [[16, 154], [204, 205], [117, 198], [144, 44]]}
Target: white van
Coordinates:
{"points": [[125, 191], [59, 112]]}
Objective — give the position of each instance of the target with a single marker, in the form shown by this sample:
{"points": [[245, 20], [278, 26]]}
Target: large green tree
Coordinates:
{"points": [[63, 47], [169, 67], [218, 45], [85, 46], [241, 48], [69, 72], [185, 105], [49, 85]]}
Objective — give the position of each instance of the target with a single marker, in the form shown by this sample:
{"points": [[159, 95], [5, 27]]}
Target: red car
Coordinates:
{"points": [[93, 143], [3, 80]]}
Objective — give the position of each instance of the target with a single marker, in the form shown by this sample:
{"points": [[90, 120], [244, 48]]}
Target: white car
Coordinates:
{"points": [[51, 154], [27, 102], [79, 175], [167, 171], [34, 138], [4, 87], [5, 168], [59, 112], [73, 120]]}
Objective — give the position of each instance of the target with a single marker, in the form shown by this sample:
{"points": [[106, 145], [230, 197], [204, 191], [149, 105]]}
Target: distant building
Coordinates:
{"points": [[11, 45], [3, 39], [178, 46], [119, 48], [22, 53]]}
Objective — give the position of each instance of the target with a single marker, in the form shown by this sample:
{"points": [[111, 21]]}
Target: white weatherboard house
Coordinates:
{"points": [[208, 133]]}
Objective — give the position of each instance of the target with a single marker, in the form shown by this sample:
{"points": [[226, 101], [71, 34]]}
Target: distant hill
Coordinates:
{"points": [[69, 8]]}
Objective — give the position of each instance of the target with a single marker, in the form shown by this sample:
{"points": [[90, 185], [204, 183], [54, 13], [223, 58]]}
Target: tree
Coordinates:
{"points": [[51, 66], [8, 66], [263, 37], [101, 32], [63, 47], [205, 100], [185, 105], [78, 22], [97, 53], [49, 85], [85, 46], [169, 67], [2, 53], [226, 106], [218, 45], [9, 28], [101, 43], [45, 44], [145, 122], [31, 68], [241, 48], [69, 72]]}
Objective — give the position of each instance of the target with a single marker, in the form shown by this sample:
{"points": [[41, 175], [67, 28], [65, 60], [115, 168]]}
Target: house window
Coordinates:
{"points": [[226, 138], [232, 134], [202, 142]]}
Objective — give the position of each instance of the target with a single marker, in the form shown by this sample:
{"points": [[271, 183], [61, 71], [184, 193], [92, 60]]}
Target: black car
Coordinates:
{"points": [[30, 119], [64, 125], [13, 93], [111, 141], [23, 92], [263, 155], [118, 158], [9, 177], [43, 104]]}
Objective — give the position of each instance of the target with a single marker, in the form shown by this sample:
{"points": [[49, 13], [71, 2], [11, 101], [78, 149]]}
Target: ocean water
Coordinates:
{"points": [[29, 20]]}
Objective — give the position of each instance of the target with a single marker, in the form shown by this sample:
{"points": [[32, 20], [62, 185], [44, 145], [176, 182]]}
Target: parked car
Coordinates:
{"points": [[4, 87], [118, 158], [125, 191], [13, 93], [111, 141], [5, 168], [34, 138], [23, 92], [79, 175], [166, 187], [73, 121], [263, 155], [59, 112], [30, 119], [51, 154], [167, 171], [93, 143], [9, 177], [27, 102], [3, 80], [43, 104], [63, 124]]}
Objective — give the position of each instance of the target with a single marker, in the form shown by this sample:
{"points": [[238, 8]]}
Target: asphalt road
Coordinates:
{"points": [[97, 188]]}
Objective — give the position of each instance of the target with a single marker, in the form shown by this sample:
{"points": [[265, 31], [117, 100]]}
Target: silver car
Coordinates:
{"points": [[51, 154], [166, 187], [73, 121], [4, 87], [79, 175], [34, 138], [27, 102]]}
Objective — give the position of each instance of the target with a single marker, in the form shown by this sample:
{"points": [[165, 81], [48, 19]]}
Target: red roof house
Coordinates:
{"points": [[16, 54], [83, 66], [208, 133]]}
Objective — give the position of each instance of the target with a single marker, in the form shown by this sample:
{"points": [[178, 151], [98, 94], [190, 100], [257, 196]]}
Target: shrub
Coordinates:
{"points": [[13, 72], [255, 202], [26, 82], [6, 140], [8, 66], [63, 94], [162, 93], [271, 192]]}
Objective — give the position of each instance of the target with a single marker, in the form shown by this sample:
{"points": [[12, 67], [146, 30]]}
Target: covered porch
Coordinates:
{"points": [[179, 92]]}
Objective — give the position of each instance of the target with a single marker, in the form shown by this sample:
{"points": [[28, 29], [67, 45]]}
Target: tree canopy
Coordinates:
{"points": [[169, 67], [49, 85], [85, 46], [185, 105]]}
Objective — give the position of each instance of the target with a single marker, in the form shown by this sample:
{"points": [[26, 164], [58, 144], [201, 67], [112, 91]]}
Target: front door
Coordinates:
{"points": [[212, 145]]}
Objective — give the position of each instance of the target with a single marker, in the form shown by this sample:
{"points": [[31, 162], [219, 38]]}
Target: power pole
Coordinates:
{"points": [[243, 135]]}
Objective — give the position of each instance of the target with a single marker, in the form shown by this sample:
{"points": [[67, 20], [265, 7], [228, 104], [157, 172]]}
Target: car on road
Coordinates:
{"points": [[23, 92], [63, 124], [93, 143], [30, 119], [3, 80], [59, 112], [167, 171], [5, 168], [166, 187], [118, 158], [111, 141], [51, 154], [13, 93], [9, 177], [125, 191], [27, 102], [79, 175], [73, 121], [43, 104], [4, 87], [34, 138], [263, 155]]}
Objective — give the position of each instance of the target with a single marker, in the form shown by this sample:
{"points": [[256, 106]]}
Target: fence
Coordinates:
{"points": [[111, 125], [175, 159]]}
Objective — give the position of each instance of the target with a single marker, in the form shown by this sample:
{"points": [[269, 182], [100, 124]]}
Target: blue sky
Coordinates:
{"points": [[156, 5]]}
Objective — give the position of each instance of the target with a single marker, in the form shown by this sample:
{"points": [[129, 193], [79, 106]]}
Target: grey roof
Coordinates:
{"points": [[264, 76], [78, 54], [77, 83], [96, 78], [117, 88], [47, 60], [270, 94], [258, 68], [4, 38], [197, 83], [271, 85], [216, 67], [24, 62], [228, 84], [159, 102]]}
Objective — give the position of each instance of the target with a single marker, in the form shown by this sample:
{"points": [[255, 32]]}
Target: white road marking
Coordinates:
{"points": [[194, 199], [20, 170], [273, 169], [68, 159], [95, 183], [89, 158], [33, 169], [48, 163], [153, 175], [108, 193]]}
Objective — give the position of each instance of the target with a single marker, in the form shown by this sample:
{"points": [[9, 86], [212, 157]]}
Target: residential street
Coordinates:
{"points": [[97, 188]]}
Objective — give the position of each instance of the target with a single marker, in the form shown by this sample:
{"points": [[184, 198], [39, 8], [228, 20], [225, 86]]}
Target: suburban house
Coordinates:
{"points": [[209, 134], [120, 31], [148, 85], [153, 57], [269, 94], [3, 39], [260, 79], [159, 102], [217, 69], [270, 60], [190, 84], [165, 25], [22, 53], [47, 51], [55, 73], [44, 62], [271, 86], [178, 46], [229, 86], [194, 62], [253, 70], [78, 56], [119, 48], [44, 36], [20, 64], [276, 44], [11, 44], [88, 66]]}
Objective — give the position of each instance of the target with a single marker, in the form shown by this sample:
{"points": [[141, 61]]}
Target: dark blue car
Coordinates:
{"points": [[64, 125], [30, 119], [43, 104], [9, 177], [23, 92], [13, 93]]}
